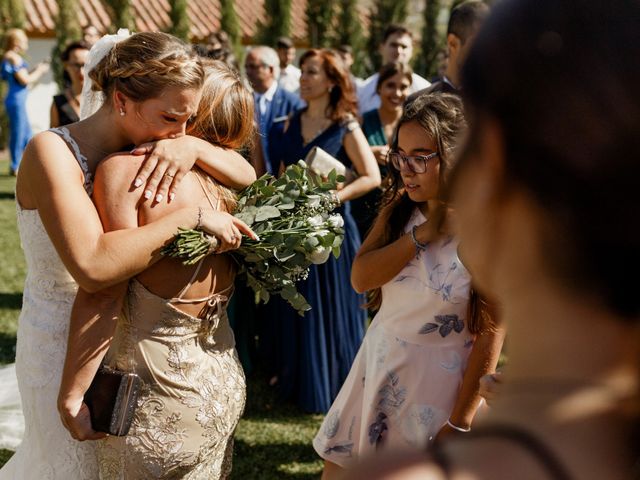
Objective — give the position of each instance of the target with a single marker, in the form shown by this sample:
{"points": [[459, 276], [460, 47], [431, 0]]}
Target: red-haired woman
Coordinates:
{"points": [[317, 350]]}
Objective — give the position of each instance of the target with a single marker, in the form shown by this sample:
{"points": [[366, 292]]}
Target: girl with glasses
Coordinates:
{"points": [[417, 373]]}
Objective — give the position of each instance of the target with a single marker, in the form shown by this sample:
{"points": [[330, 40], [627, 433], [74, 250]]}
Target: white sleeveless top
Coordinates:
{"points": [[47, 450]]}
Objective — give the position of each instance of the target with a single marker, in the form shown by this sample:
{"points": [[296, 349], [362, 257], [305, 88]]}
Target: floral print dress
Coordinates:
{"points": [[406, 376]]}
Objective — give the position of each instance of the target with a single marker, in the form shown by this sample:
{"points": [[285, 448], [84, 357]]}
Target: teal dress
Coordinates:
{"points": [[365, 209]]}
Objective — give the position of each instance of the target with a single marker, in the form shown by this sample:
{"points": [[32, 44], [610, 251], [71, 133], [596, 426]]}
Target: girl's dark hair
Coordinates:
{"points": [[562, 80], [392, 69], [442, 118], [343, 103]]}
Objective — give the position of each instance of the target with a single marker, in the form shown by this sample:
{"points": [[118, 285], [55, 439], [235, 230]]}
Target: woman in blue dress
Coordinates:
{"points": [[16, 73], [316, 351]]}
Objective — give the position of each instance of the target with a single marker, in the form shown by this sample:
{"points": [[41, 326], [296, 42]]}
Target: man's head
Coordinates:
{"points": [[346, 53], [286, 51], [464, 23], [397, 45], [262, 67]]}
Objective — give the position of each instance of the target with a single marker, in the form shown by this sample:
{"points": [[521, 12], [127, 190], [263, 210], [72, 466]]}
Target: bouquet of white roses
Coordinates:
{"points": [[291, 215]]}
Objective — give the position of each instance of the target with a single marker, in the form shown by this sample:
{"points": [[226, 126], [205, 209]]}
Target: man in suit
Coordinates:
{"points": [[396, 46], [464, 23], [273, 104]]}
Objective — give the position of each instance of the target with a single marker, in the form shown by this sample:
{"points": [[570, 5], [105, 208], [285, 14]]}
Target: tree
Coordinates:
{"points": [[180, 24], [431, 42], [67, 30], [278, 23], [349, 32], [11, 14], [121, 15], [383, 13], [320, 16], [229, 23]]}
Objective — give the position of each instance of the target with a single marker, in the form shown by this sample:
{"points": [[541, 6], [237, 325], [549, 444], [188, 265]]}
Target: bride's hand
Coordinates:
{"points": [[225, 227], [167, 162], [76, 418]]}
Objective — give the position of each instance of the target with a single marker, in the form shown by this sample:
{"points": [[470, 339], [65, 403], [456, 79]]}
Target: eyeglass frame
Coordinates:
{"points": [[405, 161]]}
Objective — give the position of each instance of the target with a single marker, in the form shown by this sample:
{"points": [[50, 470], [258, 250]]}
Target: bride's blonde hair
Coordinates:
{"points": [[144, 64]]}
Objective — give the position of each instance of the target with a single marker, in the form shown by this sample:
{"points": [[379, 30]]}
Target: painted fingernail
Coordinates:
{"points": [[159, 197], [172, 196], [137, 183], [147, 194]]}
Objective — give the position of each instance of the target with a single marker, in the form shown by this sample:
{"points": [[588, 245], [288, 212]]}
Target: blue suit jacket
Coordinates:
{"points": [[283, 104]]}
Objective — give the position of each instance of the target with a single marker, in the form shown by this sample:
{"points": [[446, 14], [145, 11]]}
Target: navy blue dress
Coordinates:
{"points": [[315, 352]]}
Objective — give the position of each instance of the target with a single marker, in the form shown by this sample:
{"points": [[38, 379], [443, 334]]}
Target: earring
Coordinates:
{"points": [[121, 112]]}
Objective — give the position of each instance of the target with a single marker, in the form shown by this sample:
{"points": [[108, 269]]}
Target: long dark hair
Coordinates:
{"points": [[441, 116], [561, 78]]}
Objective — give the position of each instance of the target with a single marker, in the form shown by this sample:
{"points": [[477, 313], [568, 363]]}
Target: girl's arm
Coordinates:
{"points": [[358, 150], [482, 360], [93, 322], [176, 156], [375, 263], [52, 179]]}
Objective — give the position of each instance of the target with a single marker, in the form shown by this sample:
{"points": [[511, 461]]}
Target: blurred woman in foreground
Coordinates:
{"points": [[547, 204]]}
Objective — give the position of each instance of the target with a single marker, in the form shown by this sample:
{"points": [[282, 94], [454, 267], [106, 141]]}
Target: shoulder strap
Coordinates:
{"points": [[80, 158], [207, 193], [525, 439]]}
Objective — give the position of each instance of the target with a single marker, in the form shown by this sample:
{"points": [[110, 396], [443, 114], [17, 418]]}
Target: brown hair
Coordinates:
{"points": [[144, 64], [391, 70], [11, 36], [441, 116], [342, 98], [225, 115]]}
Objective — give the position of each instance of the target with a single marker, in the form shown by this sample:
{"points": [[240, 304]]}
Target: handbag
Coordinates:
{"points": [[321, 163], [112, 399]]}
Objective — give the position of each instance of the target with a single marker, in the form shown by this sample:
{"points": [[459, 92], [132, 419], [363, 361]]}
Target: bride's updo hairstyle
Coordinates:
{"points": [[225, 114], [561, 79], [144, 64]]}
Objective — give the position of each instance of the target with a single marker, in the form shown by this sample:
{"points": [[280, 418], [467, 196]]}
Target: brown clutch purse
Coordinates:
{"points": [[112, 399]]}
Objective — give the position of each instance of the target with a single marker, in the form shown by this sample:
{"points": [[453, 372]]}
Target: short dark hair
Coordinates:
{"points": [[80, 45], [395, 29], [466, 19], [284, 42], [345, 49]]}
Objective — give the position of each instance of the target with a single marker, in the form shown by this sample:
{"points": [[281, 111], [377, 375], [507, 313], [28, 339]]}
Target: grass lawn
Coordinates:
{"points": [[273, 440]]}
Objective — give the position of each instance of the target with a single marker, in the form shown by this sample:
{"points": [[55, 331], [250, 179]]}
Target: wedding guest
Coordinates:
{"points": [[346, 53], [378, 125], [16, 73], [464, 23], [317, 349], [396, 46], [90, 35], [416, 376], [546, 197], [172, 329], [63, 237], [65, 108], [289, 78]]}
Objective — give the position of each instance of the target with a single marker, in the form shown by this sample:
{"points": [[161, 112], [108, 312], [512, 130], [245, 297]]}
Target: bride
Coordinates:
{"points": [[62, 236]]}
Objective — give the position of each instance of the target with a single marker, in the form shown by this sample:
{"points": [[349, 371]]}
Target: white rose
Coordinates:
{"points": [[336, 221], [315, 221], [319, 255]]}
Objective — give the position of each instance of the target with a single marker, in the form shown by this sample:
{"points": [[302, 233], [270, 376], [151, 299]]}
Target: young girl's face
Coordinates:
{"points": [[413, 140]]}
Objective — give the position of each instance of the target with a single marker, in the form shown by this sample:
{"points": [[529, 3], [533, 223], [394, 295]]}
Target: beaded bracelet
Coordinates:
{"points": [[419, 246], [457, 428]]}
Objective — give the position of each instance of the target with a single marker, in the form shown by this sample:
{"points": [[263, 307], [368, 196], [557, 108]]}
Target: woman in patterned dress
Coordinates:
{"points": [[417, 373]]}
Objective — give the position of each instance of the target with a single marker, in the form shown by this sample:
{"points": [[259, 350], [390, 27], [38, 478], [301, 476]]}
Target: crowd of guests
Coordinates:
{"points": [[452, 225]]}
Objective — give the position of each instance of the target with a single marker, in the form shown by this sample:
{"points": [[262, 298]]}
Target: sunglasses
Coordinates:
{"points": [[415, 163]]}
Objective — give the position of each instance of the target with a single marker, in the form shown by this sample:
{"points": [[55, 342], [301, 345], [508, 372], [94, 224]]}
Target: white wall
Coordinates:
{"points": [[41, 94]]}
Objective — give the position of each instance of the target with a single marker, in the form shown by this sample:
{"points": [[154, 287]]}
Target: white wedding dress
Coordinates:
{"points": [[47, 450]]}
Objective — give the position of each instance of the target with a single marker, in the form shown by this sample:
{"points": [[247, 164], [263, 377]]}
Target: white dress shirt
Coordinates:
{"points": [[290, 78]]}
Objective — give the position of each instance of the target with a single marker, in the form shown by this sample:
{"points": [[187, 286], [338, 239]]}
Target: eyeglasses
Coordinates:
{"points": [[415, 163]]}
